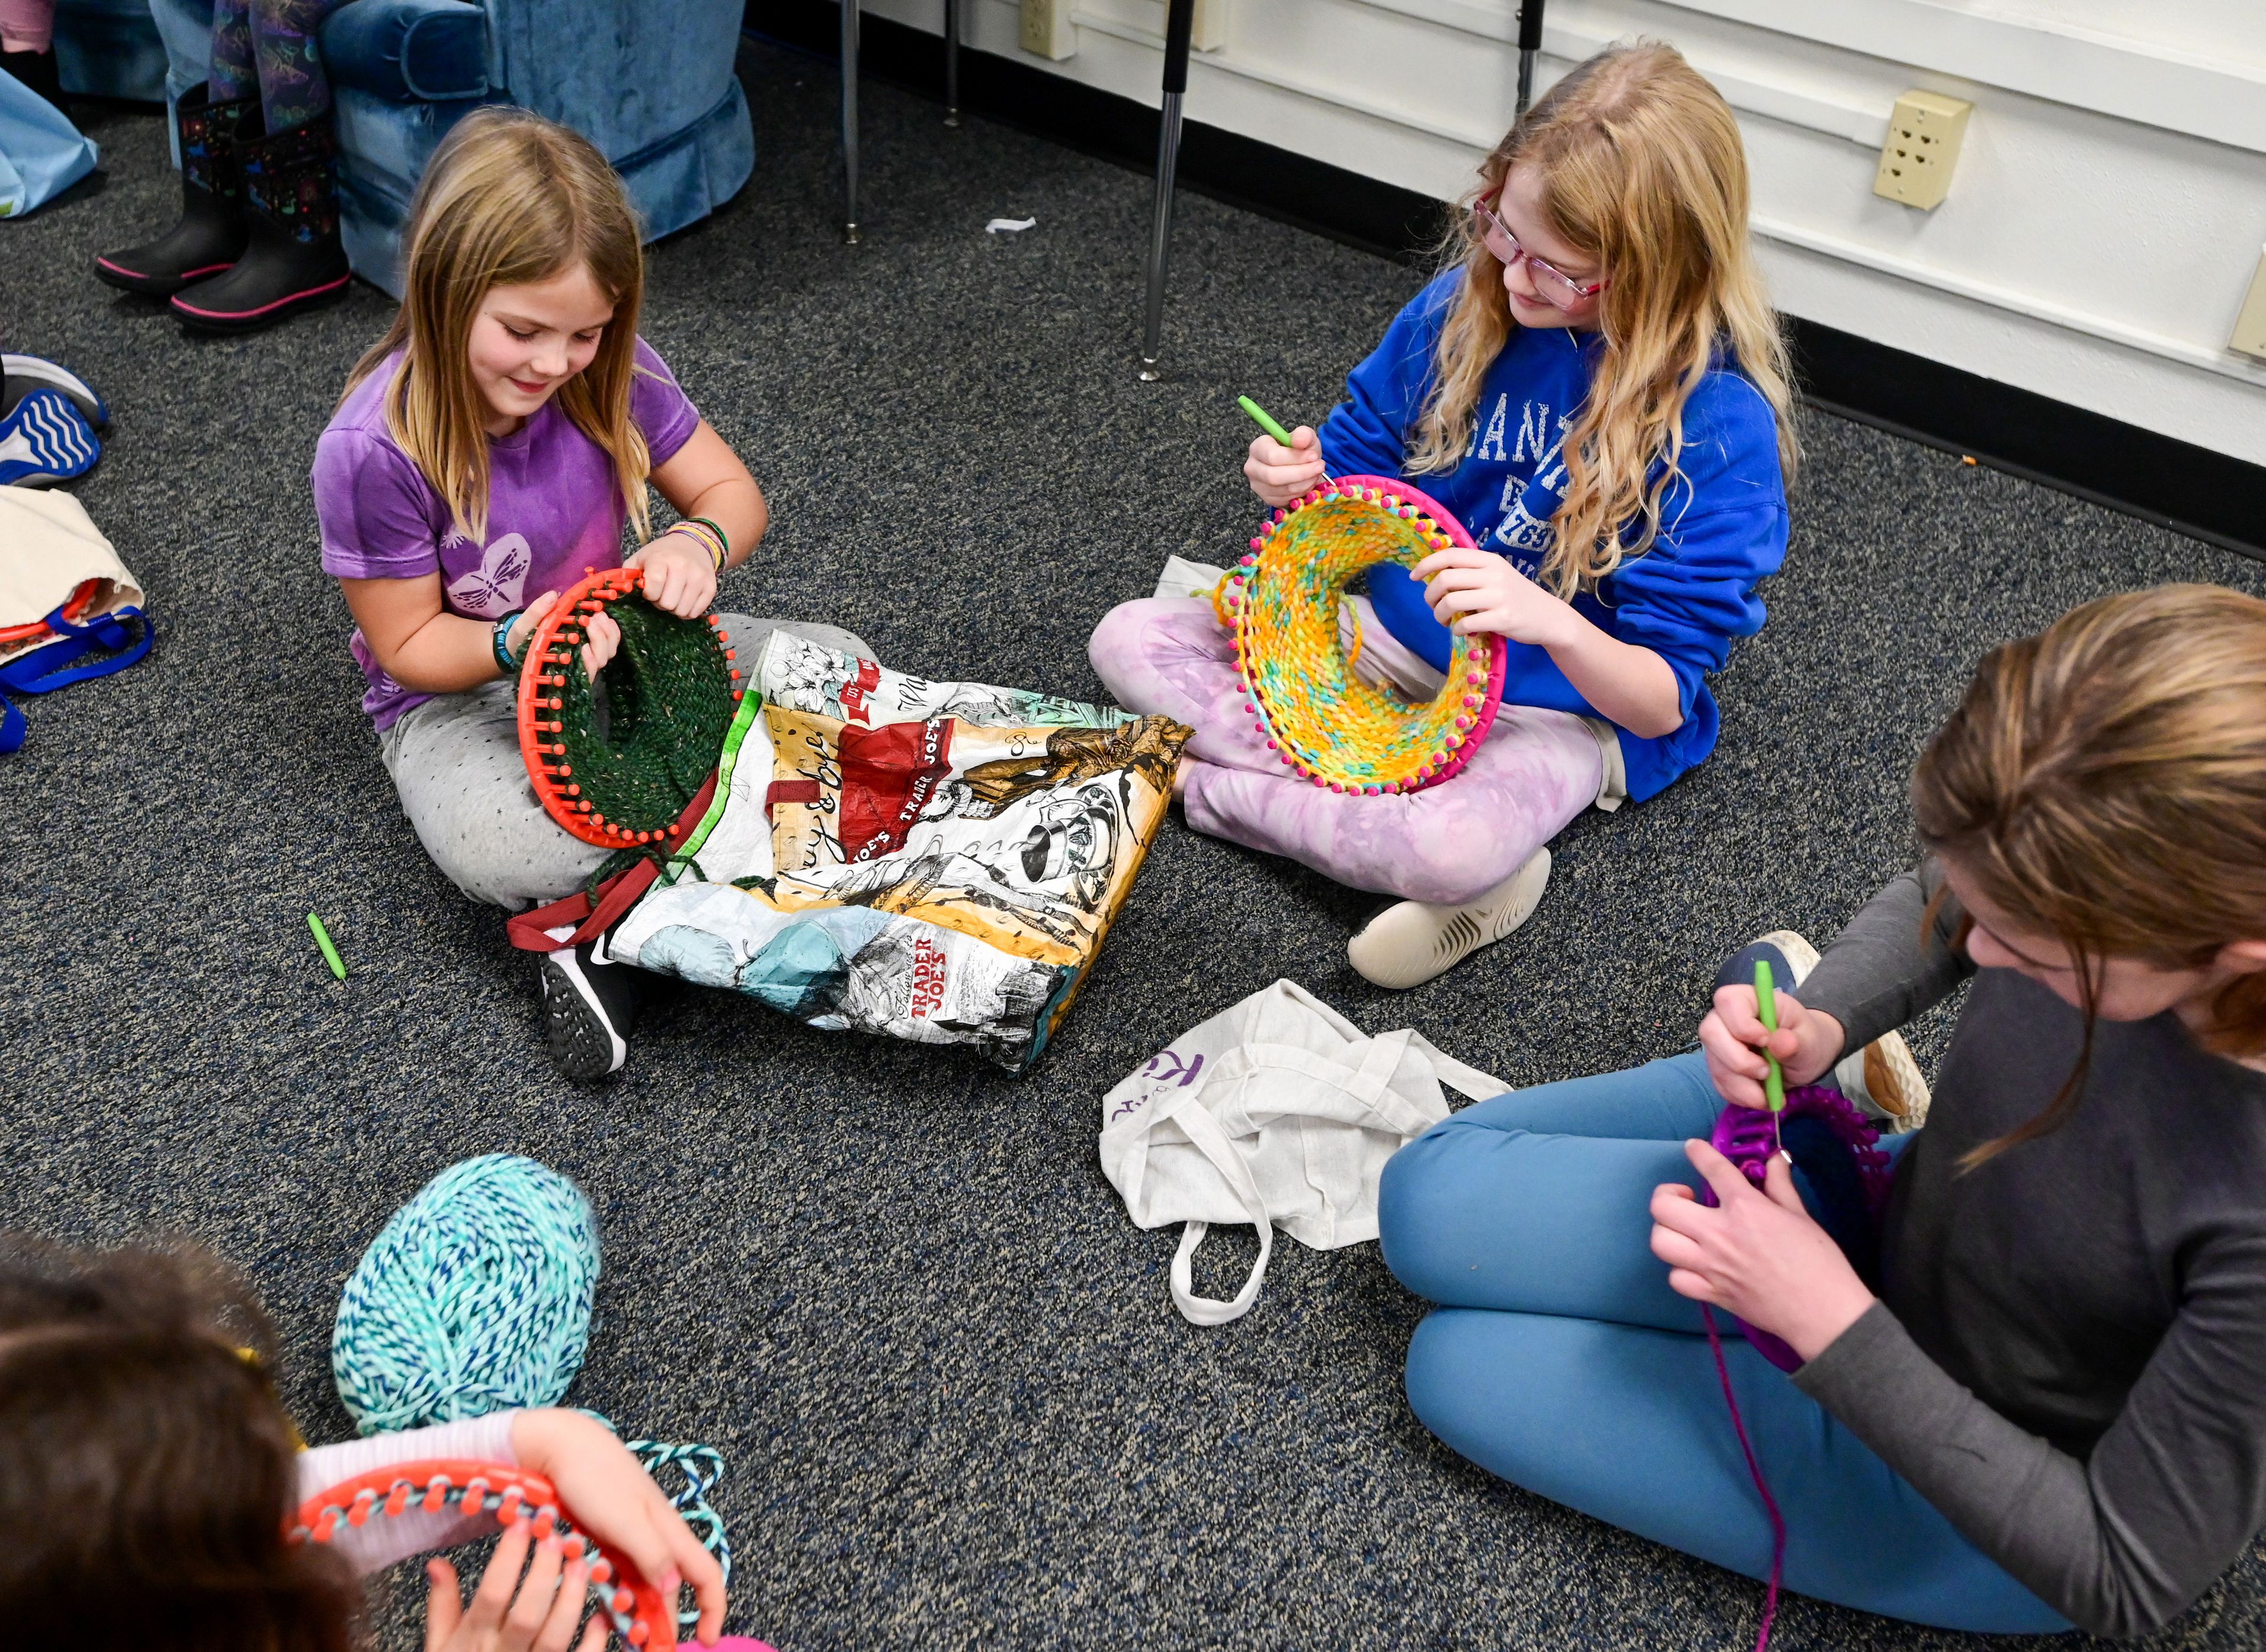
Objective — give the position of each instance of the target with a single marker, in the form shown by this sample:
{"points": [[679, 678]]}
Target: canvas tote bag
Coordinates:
{"points": [[1278, 1112], [69, 610]]}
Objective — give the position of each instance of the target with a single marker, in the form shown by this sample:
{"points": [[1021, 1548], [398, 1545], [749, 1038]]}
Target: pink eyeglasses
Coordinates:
{"points": [[1558, 288]]}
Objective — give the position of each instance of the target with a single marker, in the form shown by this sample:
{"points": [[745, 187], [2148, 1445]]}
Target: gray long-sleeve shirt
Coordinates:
{"points": [[2069, 1354]]}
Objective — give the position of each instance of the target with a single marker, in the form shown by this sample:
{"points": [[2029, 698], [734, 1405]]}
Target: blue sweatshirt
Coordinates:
{"points": [[1723, 521]]}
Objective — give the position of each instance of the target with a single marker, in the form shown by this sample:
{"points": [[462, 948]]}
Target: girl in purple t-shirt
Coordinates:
{"points": [[486, 456]]}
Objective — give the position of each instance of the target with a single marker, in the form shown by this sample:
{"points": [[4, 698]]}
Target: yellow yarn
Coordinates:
{"points": [[1282, 606]]}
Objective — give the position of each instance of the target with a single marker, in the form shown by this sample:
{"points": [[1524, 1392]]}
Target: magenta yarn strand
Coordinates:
{"points": [[1770, 1504]]}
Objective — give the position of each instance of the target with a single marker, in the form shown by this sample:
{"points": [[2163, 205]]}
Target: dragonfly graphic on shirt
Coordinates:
{"points": [[492, 588]]}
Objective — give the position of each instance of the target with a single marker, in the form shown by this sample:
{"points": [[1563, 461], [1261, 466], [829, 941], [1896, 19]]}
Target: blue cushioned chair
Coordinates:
{"points": [[649, 81], [109, 49]]}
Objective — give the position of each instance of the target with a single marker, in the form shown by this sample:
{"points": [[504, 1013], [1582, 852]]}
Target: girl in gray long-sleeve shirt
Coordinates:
{"points": [[2053, 1410]]}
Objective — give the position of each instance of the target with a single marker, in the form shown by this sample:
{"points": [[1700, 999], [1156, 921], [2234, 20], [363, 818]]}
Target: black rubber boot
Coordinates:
{"points": [[36, 71], [212, 232], [294, 261]]}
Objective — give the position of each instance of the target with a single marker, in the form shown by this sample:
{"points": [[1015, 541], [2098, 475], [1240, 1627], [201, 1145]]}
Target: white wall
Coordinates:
{"points": [[2106, 217]]}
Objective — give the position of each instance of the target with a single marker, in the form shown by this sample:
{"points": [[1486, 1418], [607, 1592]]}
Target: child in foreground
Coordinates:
{"points": [[1597, 390], [2054, 1413], [486, 455], [148, 1479]]}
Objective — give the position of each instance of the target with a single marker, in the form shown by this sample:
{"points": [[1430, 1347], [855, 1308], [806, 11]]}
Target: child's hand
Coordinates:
{"points": [[616, 1503], [1477, 590], [549, 1601], [679, 574], [1758, 1254], [605, 636], [521, 637], [1280, 474], [1807, 1042], [601, 635]]}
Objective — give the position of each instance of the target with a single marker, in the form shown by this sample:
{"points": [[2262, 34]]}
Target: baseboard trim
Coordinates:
{"points": [[2173, 484]]}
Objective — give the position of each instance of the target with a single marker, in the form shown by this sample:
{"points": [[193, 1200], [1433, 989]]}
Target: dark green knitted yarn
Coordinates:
{"points": [[669, 703]]}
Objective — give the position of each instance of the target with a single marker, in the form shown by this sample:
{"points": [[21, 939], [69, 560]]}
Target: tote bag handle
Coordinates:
{"points": [[53, 665], [1188, 1111], [1369, 1084]]}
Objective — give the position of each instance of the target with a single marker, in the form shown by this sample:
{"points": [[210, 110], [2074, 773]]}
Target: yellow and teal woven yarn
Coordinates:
{"points": [[1281, 605]]}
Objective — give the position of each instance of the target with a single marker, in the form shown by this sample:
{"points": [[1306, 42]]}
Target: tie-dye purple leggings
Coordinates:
{"points": [[1448, 844], [268, 47]]}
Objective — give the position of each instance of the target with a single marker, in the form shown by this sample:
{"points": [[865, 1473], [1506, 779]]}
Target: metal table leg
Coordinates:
{"points": [[849, 122], [1530, 42], [952, 62], [1178, 24]]}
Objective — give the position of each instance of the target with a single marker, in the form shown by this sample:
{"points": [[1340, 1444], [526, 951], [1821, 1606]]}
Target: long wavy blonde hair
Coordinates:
{"points": [[2105, 784], [509, 198], [1643, 169]]}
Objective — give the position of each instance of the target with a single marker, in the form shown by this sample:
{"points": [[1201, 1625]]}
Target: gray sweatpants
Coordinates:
{"points": [[454, 760]]}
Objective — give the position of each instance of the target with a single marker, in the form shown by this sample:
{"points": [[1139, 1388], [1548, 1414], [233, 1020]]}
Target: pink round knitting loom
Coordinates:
{"points": [[1281, 605]]}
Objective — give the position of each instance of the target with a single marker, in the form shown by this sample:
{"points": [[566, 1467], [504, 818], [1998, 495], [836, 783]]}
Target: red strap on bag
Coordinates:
{"points": [[530, 931]]}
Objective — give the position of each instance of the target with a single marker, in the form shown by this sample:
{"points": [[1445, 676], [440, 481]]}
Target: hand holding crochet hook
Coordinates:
{"points": [[1283, 464], [1739, 1047], [1758, 1253]]}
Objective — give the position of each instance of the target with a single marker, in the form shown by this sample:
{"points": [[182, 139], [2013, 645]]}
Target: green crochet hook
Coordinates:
{"points": [[1266, 421], [330, 952], [1766, 1006]]}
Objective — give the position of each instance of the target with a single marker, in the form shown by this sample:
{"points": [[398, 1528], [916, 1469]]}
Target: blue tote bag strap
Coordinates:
{"points": [[56, 665], [13, 727]]}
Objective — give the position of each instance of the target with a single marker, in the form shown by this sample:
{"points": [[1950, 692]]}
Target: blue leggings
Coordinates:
{"points": [[1560, 1359]]}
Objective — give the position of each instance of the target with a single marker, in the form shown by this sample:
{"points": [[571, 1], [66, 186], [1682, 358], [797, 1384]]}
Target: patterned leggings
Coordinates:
{"points": [[268, 47]]}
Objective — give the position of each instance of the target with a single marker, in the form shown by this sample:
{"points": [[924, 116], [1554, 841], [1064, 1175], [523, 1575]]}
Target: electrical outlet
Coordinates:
{"points": [[1047, 31], [2249, 335], [1925, 130]]}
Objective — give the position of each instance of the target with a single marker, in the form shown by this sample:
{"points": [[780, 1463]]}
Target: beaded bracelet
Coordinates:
{"points": [[500, 643]]}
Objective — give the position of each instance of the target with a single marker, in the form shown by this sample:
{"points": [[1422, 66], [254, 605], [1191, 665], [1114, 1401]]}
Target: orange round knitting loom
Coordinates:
{"points": [[1281, 605], [640, 1616], [618, 762]]}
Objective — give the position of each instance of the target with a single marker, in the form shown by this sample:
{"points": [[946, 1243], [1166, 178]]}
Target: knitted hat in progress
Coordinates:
{"points": [[618, 766], [1281, 603]]}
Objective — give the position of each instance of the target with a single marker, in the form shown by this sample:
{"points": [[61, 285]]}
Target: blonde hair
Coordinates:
{"points": [[509, 198], [1641, 167], [2105, 783]]}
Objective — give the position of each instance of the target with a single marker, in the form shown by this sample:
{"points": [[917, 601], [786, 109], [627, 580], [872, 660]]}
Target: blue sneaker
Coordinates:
{"points": [[20, 375], [45, 440]]}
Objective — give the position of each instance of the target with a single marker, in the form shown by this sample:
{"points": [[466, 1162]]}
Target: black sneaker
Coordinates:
{"points": [[589, 1012]]}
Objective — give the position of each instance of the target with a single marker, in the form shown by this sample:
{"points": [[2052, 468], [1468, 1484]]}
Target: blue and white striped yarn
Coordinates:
{"points": [[475, 1298], [702, 1467]]}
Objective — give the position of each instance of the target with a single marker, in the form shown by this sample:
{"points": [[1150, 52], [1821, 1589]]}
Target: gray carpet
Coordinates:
{"points": [[891, 1283]]}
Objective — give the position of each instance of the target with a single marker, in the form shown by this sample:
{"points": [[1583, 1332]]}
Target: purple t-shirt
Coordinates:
{"points": [[555, 509]]}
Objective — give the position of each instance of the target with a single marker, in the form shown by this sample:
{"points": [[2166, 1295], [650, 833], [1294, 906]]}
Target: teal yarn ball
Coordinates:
{"points": [[475, 1298]]}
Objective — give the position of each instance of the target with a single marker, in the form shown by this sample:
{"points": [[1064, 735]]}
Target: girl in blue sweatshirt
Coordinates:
{"points": [[1597, 390]]}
